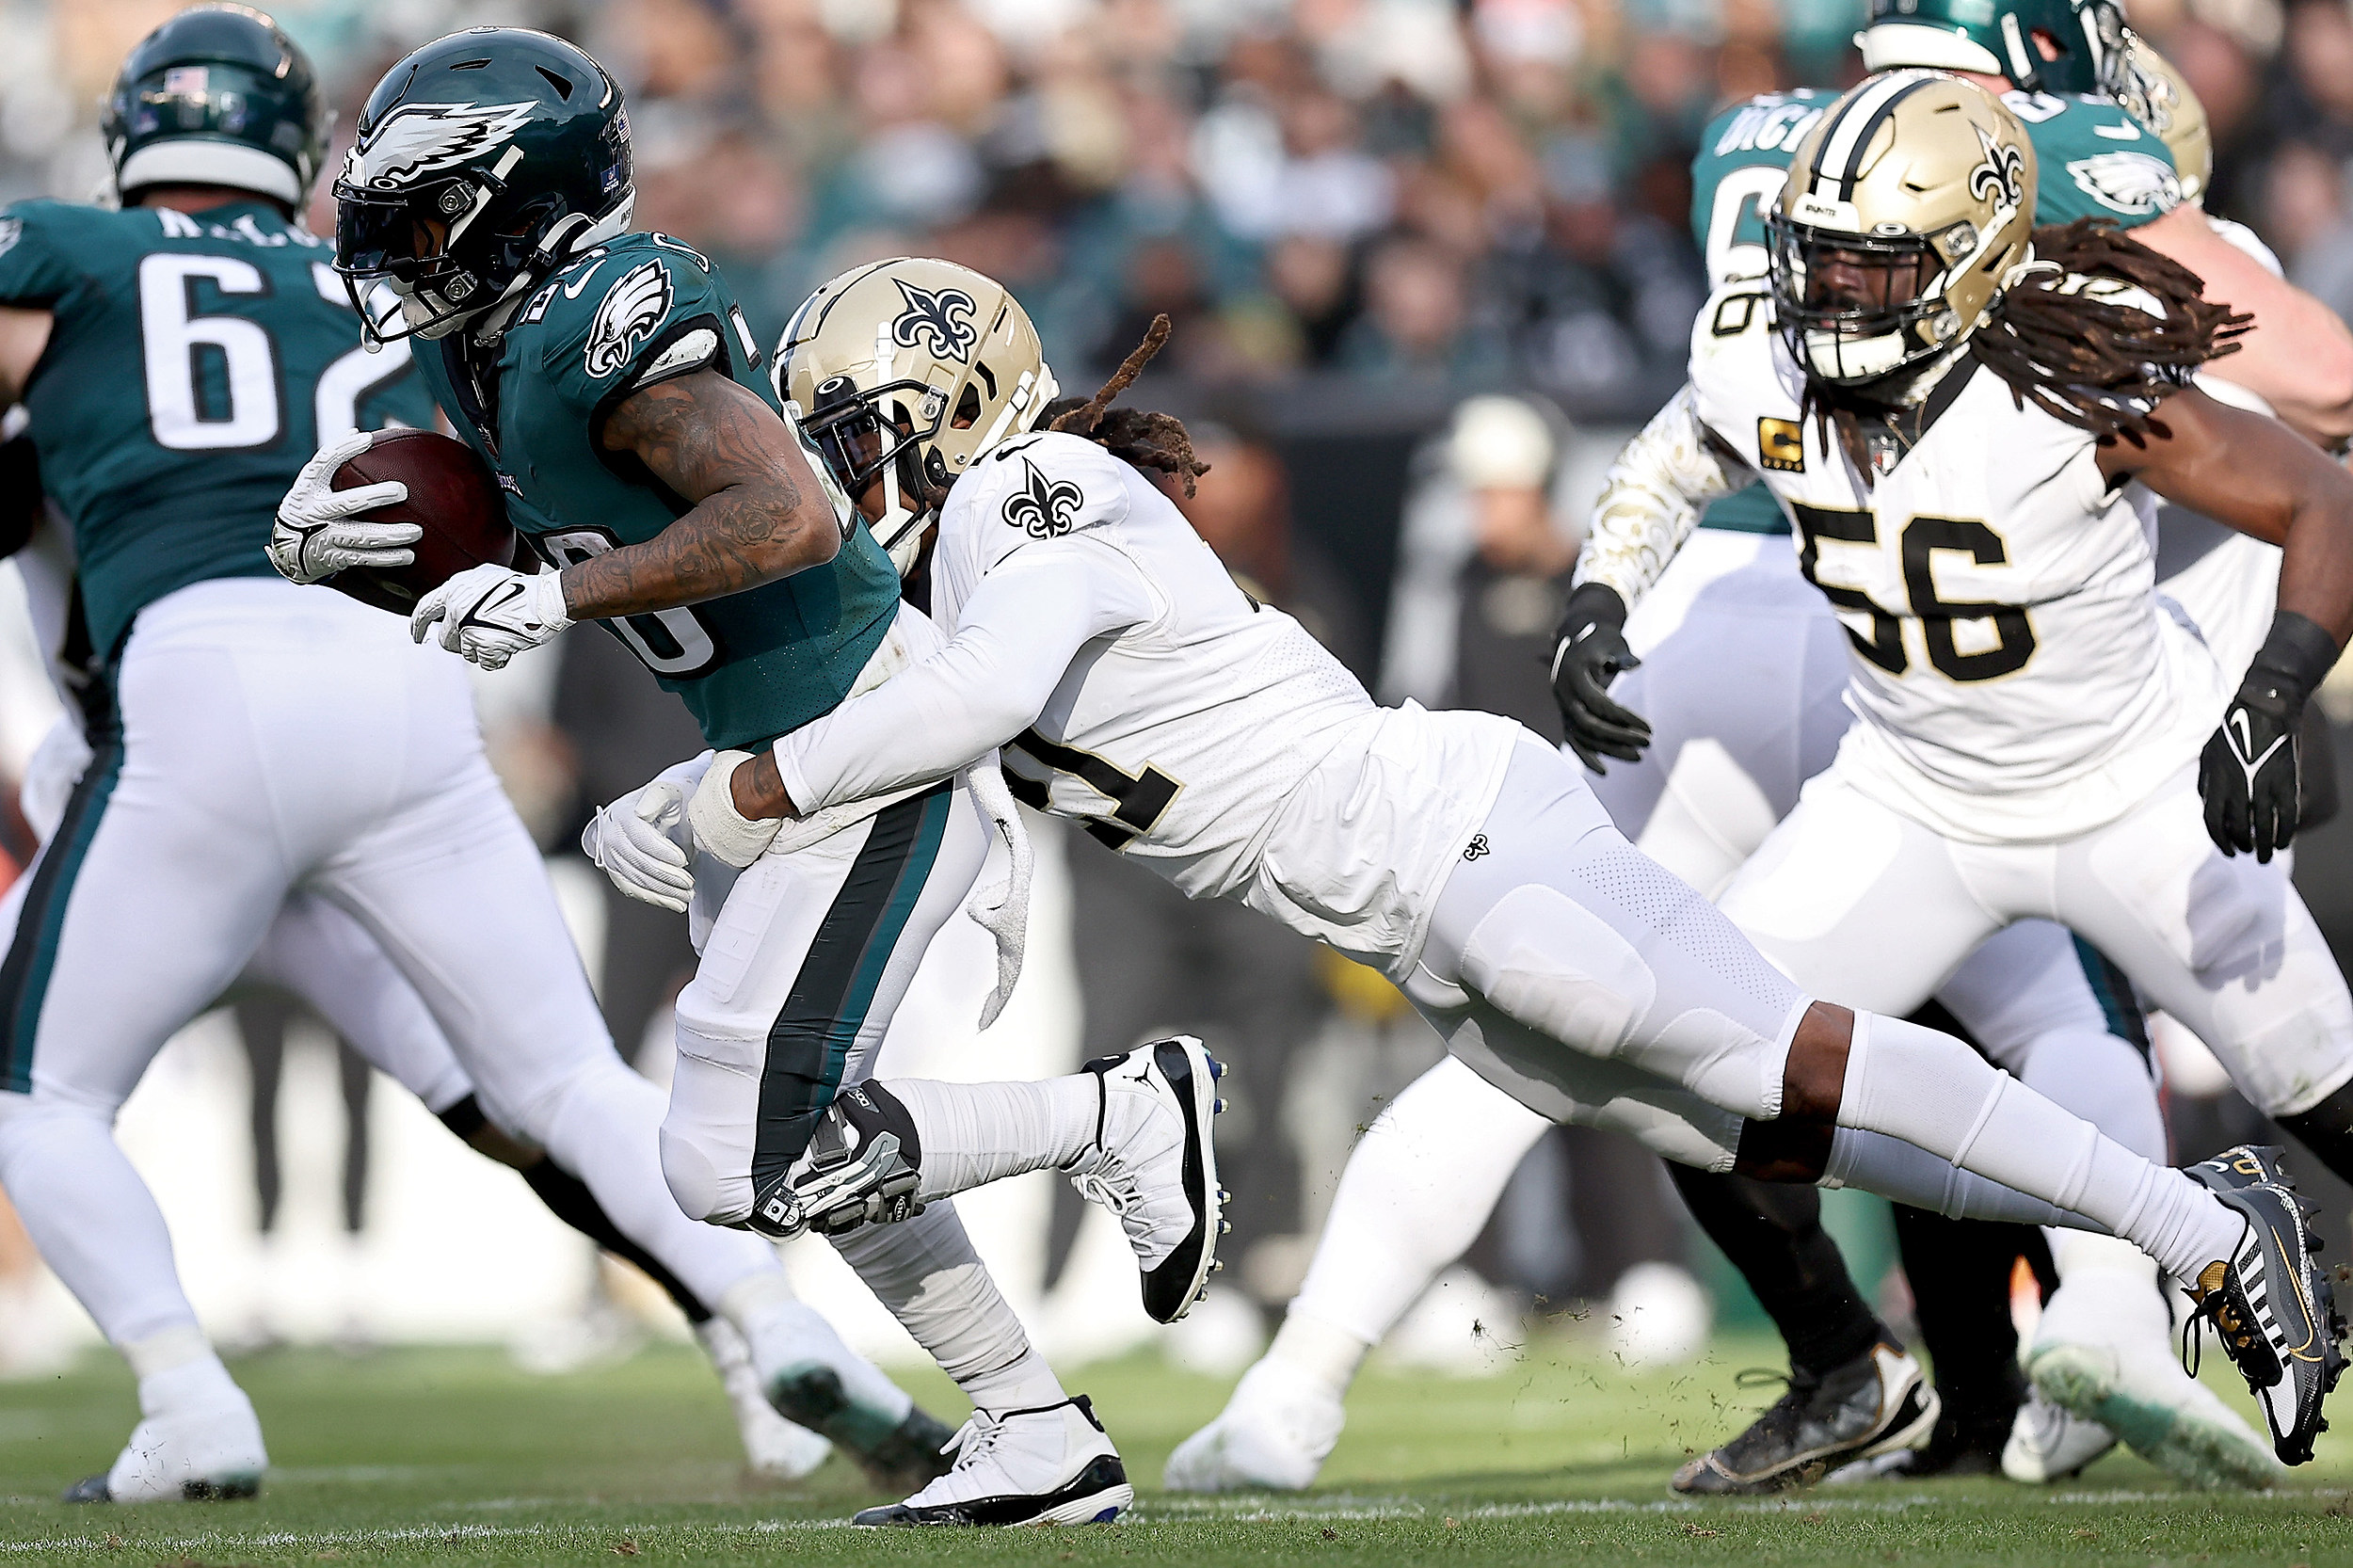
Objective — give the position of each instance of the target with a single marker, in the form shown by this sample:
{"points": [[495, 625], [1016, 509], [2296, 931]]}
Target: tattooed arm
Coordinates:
{"points": [[758, 514]]}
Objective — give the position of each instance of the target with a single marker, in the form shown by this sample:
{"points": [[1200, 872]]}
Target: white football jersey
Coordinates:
{"points": [[1217, 740], [2016, 676]]}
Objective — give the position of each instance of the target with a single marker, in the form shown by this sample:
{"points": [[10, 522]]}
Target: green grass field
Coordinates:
{"points": [[453, 1456]]}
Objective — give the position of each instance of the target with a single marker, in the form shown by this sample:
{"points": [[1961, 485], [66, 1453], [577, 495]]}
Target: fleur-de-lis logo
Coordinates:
{"points": [[2002, 177], [939, 321], [1042, 507]]}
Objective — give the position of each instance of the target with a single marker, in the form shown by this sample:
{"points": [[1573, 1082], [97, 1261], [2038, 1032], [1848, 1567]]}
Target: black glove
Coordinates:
{"points": [[1591, 653], [2249, 773]]}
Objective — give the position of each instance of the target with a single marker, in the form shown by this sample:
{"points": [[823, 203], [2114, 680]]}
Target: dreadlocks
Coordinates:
{"points": [[1139, 437], [2100, 365]]}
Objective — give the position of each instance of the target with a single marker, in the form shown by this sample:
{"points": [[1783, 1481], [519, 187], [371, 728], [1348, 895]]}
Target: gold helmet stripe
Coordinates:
{"points": [[1848, 139]]}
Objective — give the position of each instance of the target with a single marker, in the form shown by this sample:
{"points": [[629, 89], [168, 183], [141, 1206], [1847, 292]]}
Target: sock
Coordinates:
{"points": [[94, 1221], [1413, 1198], [568, 1199], [976, 1133], [1323, 1353], [605, 1129], [2105, 1081], [179, 1371], [1930, 1090], [925, 1272], [786, 1334], [1960, 1272], [1910, 1175], [1774, 1234], [2109, 1292]]}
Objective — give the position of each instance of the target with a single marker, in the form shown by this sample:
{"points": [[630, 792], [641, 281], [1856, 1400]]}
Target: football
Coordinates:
{"points": [[452, 495]]}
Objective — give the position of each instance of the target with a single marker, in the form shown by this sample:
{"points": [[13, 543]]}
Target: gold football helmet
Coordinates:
{"points": [[903, 374], [1908, 206]]}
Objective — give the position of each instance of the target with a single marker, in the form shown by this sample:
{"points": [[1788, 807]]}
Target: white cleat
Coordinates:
{"points": [[774, 1448], [1273, 1436], [1154, 1164], [2049, 1441], [185, 1456], [1047, 1466], [2160, 1412]]}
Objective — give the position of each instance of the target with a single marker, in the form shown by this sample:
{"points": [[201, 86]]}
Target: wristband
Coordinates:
{"points": [[2296, 658]]}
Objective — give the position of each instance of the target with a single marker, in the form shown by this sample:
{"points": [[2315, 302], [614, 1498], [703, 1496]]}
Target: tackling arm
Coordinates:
{"points": [[1023, 626], [2300, 356], [2262, 479], [758, 514], [1648, 507]]}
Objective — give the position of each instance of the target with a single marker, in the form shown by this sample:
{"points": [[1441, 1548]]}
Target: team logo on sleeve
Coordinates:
{"points": [[2132, 183], [421, 136], [1042, 507], [938, 321], [631, 309]]}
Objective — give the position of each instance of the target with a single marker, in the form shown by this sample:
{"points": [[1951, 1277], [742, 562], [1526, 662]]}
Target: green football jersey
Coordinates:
{"points": [[641, 309], [2093, 160], [194, 364]]}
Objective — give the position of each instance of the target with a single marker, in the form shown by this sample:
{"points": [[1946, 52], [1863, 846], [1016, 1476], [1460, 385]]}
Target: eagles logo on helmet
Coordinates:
{"points": [[1042, 508]]}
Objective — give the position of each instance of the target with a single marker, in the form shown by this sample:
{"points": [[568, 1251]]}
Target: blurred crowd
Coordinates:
{"points": [[1428, 261]]}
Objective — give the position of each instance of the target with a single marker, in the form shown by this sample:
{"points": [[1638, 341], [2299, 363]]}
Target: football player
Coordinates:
{"points": [[1144, 695], [608, 378], [180, 359], [1743, 676]]}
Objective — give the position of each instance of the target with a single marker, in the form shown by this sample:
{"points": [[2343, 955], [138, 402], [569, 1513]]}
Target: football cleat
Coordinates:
{"points": [[1273, 1436], [2049, 1441], [206, 1455], [774, 1448], [1153, 1164], [1052, 1466], [863, 1166], [1878, 1404], [2168, 1418], [896, 1455], [2271, 1303]]}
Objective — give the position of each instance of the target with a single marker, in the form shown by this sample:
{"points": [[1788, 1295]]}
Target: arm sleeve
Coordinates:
{"points": [[1656, 491], [1026, 621]]}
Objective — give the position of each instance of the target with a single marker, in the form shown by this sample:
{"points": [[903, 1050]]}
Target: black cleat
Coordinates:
{"points": [[1875, 1404], [1153, 1163], [2271, 1303]]}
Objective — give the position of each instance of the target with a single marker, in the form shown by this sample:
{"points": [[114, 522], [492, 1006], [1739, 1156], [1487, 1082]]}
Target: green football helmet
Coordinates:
{"points": [[482, 161], [1997, 37], [216, 96]]}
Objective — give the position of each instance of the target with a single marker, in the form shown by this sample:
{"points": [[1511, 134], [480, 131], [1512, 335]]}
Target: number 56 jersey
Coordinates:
{"points": [[194, 364], [2016, 674]]}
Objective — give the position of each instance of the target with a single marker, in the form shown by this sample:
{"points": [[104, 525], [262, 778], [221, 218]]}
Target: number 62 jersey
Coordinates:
{"points": [[194, 364], [2018, 677]]}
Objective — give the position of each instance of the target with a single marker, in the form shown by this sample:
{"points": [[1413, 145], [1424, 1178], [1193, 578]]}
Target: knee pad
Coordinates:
{"points": [[695, 1182], [1554, 965]]}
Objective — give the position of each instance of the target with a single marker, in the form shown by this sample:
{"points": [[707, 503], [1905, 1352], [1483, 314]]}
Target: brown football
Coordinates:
{"points": [[452, 495]]}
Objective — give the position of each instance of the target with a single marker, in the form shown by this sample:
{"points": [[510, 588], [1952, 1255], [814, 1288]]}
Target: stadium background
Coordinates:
{"points": [[1370, 220]]}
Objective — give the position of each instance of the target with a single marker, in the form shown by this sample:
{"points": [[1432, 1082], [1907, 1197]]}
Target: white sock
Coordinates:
{"points": [[925, 1272], [179, 1371], [606, 1130], [1911, 1175], [2102, 1079], [1929, 1088], [785, 1333], [92, 1219], [976, 1133], [1322, 1353], [1413, 1198]]}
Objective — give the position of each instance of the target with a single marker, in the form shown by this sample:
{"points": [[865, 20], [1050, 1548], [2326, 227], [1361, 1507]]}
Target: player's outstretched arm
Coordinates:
{"points": [[2300, 356], [2261, 478], [1652, 501], [758, 514]]}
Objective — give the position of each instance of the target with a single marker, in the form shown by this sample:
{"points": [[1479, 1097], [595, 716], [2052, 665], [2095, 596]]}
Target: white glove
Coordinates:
{"points": [[721, 831], [1002, 911], [55, 768], [319, 533], [641, 840], [489, 613]]}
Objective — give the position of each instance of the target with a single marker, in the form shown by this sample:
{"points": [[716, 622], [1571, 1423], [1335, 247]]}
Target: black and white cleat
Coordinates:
{"points": [[1052, 1466], [2271, 1302], [1154, 1164]]}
